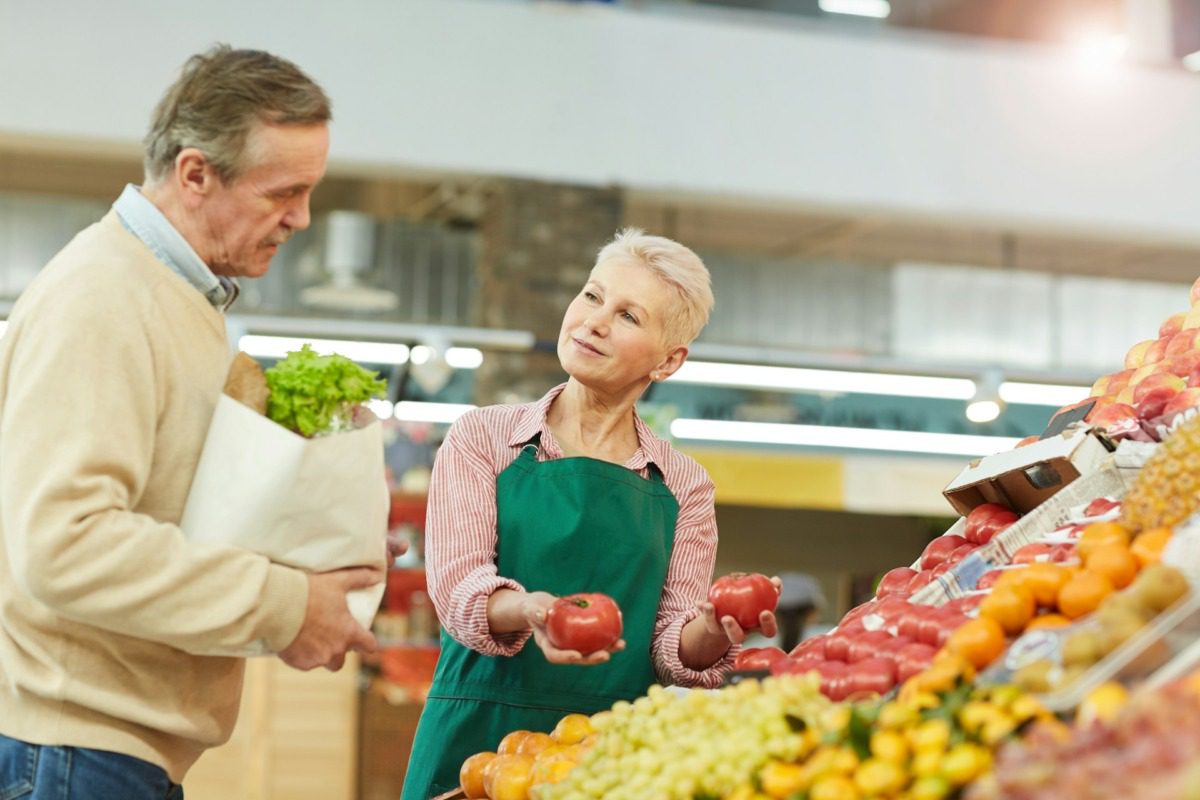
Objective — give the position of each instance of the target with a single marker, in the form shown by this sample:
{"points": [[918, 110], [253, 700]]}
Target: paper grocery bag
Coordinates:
{"points": [[315, 504]]}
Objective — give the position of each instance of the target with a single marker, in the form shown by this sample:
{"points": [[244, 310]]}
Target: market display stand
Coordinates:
{"points": [[296, 738]]}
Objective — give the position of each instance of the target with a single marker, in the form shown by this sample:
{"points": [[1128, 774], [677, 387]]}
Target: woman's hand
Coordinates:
{"points": [[534, 606], [728, 627]]}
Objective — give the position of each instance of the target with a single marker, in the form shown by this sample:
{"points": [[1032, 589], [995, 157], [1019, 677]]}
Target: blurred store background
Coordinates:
{"points": [[930, 223]]}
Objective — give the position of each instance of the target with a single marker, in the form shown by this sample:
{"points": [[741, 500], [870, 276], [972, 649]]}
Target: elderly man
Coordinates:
{"points": [[117, 634]]}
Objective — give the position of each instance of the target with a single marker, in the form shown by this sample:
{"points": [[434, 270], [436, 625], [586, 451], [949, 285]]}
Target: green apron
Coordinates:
{"points": [[563, 526]]}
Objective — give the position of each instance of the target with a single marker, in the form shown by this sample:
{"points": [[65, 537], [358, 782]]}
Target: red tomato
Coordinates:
{"points": [[922, 579], [584, 622], [1101, 505], [988, 579], [940, 549], [872, 675], [814, 646], [942, 568], [1063, 552], [889, 609], [743, 597], [796, 666], [1037, 551], [909, 623], [913, 659], [833, 683], [895, 581], [986, 520], [866, 645], [966, 604], [935, 622], [757, 658], [951, 621], [961, 552], [837, 647]]}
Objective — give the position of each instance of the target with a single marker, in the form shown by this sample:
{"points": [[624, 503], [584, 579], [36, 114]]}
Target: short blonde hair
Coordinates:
{"points": [[219, 97], [679, 268]]}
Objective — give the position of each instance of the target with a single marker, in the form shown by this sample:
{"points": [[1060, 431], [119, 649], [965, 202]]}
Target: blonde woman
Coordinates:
{"points": [[574, 493]]}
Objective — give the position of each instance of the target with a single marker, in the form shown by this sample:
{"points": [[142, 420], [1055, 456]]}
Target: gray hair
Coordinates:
{"points": [[219, 98], [679, 268]]}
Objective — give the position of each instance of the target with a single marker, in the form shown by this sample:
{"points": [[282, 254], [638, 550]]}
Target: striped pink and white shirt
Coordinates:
{"points": [[460, 532]]}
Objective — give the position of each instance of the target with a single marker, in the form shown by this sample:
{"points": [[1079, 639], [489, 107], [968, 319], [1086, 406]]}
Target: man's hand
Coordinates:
{"points": [[329, 631], [396, 547]]}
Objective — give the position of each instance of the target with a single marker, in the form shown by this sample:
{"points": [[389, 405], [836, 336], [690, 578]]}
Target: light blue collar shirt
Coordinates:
{"points": [[143, 219]]}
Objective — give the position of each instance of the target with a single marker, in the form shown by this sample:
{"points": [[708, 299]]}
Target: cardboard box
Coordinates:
{"points": [[1110, 479], [1023, 478]]}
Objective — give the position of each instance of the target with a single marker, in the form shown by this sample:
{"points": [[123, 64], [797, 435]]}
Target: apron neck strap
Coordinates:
{"points": [[529, 452]]}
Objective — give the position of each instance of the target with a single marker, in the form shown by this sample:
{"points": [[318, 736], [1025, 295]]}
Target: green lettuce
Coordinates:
{"points": [[313, 394]]}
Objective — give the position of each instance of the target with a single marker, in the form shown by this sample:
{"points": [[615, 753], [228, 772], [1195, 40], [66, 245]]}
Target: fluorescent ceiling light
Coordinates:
{"points": [[382, 408], [464, 357], [412, 411], [823, 380], [846, 438], [1042, 394], [1192, 61], [983, 411], [365, 352], [879, 9]]}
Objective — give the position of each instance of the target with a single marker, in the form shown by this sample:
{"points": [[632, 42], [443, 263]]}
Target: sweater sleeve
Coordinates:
{"points": [[460, 539], [77, 446]]}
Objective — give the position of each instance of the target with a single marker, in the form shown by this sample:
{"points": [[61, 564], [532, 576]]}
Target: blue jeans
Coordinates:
{"points": [[40, 772]]}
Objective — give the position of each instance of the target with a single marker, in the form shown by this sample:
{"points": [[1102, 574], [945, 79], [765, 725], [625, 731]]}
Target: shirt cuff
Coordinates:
{"points": [[672, 670], [473, 630]]}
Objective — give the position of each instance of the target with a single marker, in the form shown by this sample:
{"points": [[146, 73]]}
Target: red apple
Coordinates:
{"points": [[1154, 401], [1145, 371], [1136, 356], [1113, 414], [1160, 380], [940, 549], [1157, 351], [1185, 399], [1172, 324], [1120, 380], [1181, 343], [1124, 397], [1185, 364]]}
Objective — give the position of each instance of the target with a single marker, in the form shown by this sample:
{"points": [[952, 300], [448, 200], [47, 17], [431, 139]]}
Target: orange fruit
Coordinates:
{"points": [[1047, 621], [980, 641], [552, 769], [1011, 606], [572, 729], [1147, 548], [511, 743], [1114, 562], [1043, 580], [534, 743], [1100, 533], [470, 776], [1010, 577], [1083, 593], [508, 777]]}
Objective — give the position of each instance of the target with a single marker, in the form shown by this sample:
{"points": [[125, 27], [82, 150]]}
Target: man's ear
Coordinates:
{"points": [[194, 176], [670, 363]]}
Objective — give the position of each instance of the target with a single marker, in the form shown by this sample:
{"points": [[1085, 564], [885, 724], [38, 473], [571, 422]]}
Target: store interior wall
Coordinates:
{"points": [[903, 124]]}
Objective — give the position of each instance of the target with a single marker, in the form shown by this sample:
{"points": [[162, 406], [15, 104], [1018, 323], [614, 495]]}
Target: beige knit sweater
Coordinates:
{"points": [[114, 629]]}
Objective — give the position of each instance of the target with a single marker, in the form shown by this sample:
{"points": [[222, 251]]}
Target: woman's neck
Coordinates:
{"points": [[587, 423]]}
